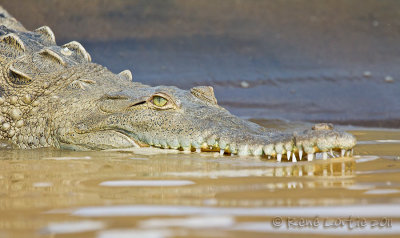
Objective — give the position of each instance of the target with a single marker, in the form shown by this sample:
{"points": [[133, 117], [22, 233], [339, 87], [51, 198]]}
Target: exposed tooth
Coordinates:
{"points": [[331, 152], [289, 146], [211, 141], [204, 145], [342, 152], [269, 157], [294, 160], [221, 152], [164, 144], [279, 157], [210, 147], [279, 148], [348, 153], [244, 150], [222, 144], [156, 143], [257, 151], [185, 144], [324, 156], [198, 150], [300, 154], [232, 148], [288, 154], [310, 157], [269, 149]]}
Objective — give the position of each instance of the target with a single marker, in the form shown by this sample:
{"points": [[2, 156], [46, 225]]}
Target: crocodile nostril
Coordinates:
{"points": [[322, 126]]}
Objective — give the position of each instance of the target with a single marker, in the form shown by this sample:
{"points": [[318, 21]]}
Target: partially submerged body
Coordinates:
{"points": [[53, 96]]}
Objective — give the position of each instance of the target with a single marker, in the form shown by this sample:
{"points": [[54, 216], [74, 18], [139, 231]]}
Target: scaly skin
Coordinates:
{"points": [[53, 96]]}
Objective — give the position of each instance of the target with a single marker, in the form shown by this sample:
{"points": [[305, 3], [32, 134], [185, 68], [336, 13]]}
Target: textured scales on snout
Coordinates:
{"points": [[54, 96]]}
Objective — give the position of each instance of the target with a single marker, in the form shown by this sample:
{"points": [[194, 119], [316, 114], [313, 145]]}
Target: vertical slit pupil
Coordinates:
{"points": [[159, 101]]}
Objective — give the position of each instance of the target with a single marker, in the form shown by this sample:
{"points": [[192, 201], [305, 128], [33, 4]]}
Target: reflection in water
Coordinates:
{"points": [[343, 168], [72, 227], [235, 193], [330, 169], [144, 183], [382, 191], [138, 233]]}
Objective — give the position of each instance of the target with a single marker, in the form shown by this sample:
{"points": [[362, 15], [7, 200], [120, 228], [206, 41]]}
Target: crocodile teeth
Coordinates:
{"points": [[221, 152], [258, 151], [279, 148], [294, 160], [244, 150], [331, 152], [269, 149], [198, 150], [289, 153], [269, 157], [300, 154], [342, 152], [310, 157], [324, 156], [279, 157]]}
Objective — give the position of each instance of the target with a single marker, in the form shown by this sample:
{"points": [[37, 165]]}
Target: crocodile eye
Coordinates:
{"points": [[159, 101]]}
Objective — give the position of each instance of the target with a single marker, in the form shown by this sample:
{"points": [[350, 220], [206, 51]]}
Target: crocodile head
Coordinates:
{"points": [[54, 96], [113, 112]]}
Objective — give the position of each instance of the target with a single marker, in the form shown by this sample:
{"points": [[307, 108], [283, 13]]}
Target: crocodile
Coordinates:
{"points": [[54, 96]]}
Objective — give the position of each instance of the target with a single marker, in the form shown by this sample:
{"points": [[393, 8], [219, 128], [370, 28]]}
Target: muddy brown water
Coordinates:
{"points": [[52, 193], [267, 60]]}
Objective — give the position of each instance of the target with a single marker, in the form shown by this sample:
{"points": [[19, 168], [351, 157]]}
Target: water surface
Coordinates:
{"points": [[52, 193]]}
